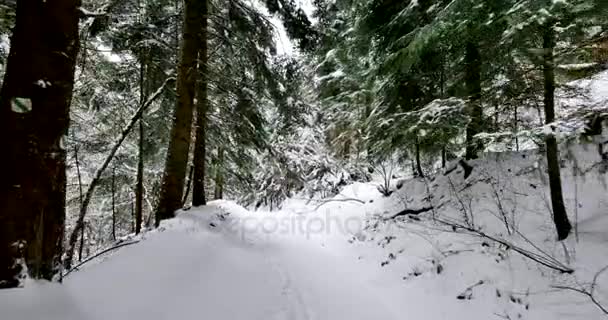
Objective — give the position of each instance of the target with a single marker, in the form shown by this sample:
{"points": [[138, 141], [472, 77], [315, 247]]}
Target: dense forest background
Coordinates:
{"points": [[178, 102]]}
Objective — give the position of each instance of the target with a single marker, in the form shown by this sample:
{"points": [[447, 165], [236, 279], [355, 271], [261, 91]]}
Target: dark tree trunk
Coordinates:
{"points": [[139, 188], [516, 127], [473, 84], [418, 164], [34, 118], [198, 187], [81, 197], [560, 217], [81, 248], [172, 187], [443, 157], [219, 178], [113, 205]]}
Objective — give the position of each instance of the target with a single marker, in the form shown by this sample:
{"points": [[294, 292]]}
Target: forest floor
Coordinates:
{"points": [[341, 258]]}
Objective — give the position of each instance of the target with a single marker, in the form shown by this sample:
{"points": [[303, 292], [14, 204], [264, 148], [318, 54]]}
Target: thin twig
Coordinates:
{"points": [[76, 267]]}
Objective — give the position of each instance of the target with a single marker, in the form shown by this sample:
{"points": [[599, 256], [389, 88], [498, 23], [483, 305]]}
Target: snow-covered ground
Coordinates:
{"points": [[351, 259]]}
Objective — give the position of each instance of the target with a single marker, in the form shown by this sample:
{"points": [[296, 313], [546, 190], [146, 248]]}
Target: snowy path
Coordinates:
{"points": [[193, 271]]}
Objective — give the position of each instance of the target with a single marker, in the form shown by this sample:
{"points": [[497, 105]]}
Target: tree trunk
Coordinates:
{"points": [[34, 118], [188, 185], [139, 188], [198, 187], [418, 164], [473, 84], [443, 157], [80, 193], [219, 178], [113, 205], [516, 127], [172, 187], [81, 248], [560, 217]]}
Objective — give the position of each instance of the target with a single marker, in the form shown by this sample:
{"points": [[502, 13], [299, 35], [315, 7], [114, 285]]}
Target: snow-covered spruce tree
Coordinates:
{"points": [[244, 85], [419, 52], [35, 104], [557, 23], [345, 91]]}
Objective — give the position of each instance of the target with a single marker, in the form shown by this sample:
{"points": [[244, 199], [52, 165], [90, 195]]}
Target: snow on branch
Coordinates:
{"points": [[100, 171]]}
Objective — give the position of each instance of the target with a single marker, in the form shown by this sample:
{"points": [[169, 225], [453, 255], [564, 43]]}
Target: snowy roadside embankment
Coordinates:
{"points": [[351, 257]]}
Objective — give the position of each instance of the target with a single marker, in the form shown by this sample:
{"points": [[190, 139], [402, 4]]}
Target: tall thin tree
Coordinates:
{"points": [[198, 187], [560, 217], [179, 145]]}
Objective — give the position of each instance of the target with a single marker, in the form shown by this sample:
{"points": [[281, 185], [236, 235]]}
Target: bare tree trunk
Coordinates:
{"points": [[172, 187], [473, 84], [113, 204], [219, 178], [560, 217], [81, 248], [139, 189], [443, 157], [198, 187], [516, 127], [34, 118], [80, 200], [418, 164]]}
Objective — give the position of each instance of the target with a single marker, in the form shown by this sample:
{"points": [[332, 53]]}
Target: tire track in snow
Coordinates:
{"points": [[294, 307]]}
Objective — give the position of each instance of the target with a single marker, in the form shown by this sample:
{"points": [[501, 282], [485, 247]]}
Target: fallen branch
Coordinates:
{"points": [[406, 212], [85, 204], [76, 268], [589, 293], [543, 259], [324, 202]]}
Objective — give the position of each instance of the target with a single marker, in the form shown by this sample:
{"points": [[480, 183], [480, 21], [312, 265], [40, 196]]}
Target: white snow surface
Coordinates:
{"points": [[346, 259]]}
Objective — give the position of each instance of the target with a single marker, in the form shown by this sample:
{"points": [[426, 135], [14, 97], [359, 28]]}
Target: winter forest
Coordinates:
{"points": [[303, 159]]}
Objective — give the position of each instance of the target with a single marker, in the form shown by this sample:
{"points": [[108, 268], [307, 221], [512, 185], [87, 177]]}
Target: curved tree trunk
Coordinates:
{"points": [[560, 217], [198, 187], [172, 187], [34, 119]]}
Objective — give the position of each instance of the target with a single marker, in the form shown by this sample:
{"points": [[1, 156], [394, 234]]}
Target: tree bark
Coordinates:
{"points": [[172, 187], [560, 217], [418, 164], [139, 188], [219, 178], [188, 185], [80, 193], [113, 206], [473, 84], [198, 187], [34, 118]]}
